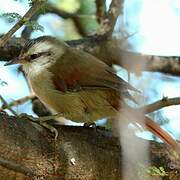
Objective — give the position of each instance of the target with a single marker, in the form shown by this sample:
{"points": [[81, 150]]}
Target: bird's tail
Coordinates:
{"points": [[139, 117], [158, 131]]}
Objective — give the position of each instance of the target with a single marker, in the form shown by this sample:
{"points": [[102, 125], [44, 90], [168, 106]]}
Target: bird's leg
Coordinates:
{"points": [[42, 121], [47, 118]]}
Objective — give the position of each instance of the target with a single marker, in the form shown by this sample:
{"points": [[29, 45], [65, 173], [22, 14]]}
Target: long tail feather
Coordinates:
{"points": [[158, 131], [152, 126]]}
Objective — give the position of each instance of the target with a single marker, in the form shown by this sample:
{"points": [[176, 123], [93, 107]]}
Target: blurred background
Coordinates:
{"points": [[152, 26]]}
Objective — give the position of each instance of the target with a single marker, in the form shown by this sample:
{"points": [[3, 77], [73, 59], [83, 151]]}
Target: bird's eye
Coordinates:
{"points": [[34, 56]]}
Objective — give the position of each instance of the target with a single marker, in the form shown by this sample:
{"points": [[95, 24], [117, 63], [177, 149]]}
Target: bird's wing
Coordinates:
{"points": [[79, 70]]}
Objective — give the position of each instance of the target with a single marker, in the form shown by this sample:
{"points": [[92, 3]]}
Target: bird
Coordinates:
{"points": [[75, 83]]}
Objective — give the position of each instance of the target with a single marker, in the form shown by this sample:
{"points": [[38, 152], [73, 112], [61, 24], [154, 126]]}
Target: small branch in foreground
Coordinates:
{"points": [[16, 102], [5, 104], [160, 104], [9, 164], [35, 7]]}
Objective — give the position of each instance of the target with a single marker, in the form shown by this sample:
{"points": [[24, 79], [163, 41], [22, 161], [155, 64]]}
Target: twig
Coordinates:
{"points": [[160, 104], [26, 33], [114, 10], [35, 7], [74, 16], [52, 9], [16, 167], [16, 102], [5, 103], [100, 10], [64, 14], [107, 26]]}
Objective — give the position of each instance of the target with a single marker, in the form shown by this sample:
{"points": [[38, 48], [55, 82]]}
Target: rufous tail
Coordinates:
{"points": [[158, 131], [151, 126]]}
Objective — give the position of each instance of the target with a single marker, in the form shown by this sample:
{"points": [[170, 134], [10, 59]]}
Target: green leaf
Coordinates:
{"points": [[11, 17], [34, 25], [155, 171]]}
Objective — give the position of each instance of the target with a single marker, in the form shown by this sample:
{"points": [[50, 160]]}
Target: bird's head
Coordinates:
{"points": [[41, 51]]}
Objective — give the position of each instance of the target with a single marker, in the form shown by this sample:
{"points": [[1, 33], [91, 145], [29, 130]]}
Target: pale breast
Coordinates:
{"points": [[67, 103], [81, 106]]}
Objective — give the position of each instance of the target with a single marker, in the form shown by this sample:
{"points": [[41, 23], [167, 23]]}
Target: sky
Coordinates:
{"points": [[156, 24]]}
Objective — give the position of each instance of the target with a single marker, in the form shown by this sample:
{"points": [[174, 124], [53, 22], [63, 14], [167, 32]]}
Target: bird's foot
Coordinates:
{"points": [[94, 126], [50, 128], [27, 117], [90, 124], [42, 121]]}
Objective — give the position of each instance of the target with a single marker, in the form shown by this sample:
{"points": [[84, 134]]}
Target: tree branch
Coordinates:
{"points": [[16, 102], [165, 102], [26, 33], [35, 7], [5, 104], [108, 51], [78, 153], [100, 10], [164, 65], [52, 9], [109, 21], [74, 16], [10, 165]]}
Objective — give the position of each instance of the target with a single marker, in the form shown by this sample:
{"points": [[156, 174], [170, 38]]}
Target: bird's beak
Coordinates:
{"points": [[16, 60]]}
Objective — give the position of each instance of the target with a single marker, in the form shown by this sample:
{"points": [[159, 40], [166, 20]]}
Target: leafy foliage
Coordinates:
{"points": [[155, 171], [144, 171], [34, 25], [11, 17]]}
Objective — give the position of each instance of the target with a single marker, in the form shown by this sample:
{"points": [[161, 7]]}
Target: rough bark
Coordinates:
{"points": [[29, 151]]}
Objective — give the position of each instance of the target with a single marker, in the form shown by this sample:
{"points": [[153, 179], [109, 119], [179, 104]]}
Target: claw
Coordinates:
{"points": [[51, 128], [42, 121], [90, 124]]}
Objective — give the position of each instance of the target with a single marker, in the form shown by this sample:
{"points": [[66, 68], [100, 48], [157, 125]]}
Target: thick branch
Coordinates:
{"points": [[11, 49], [110, 52], [164, 65], [79, 152]]}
